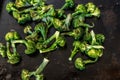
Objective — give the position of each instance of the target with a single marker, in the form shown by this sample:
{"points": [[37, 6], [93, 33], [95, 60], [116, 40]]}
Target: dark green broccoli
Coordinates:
{"points": [[43, 29], [60, 42], [68, 4], [80, 63], [26, 74], [30, 45], [62, 25], [80, 21], [43, 44], [80, 9], [2, 50], [75, 33], [31, 35], [24, 18]]}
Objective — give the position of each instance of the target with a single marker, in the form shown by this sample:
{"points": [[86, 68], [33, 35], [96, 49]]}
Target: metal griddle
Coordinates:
{"points": [[59, 68]]}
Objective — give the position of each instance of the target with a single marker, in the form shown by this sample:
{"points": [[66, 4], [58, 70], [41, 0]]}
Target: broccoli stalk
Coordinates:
{"points": [[75, 50], [26, 74], [43, 44], [60, 41], [2, 50], [80, 63], [30, 45]]}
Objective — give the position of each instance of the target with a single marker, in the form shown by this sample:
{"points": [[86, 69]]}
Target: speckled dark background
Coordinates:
{"points": [[59, 68]]}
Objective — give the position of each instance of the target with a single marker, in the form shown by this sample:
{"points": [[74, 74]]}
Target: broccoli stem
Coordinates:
{"points": [[74, 52], [90, 61], [42, 66], [54, 36]]}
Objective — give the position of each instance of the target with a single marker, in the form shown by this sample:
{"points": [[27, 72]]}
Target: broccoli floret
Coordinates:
{"points": [[62, 25], [92, 10], [26, 74], [24, 18], [60, 42], [2, 50], [68, 4], [12, 35], [22, 3], [43, 44], [80, 9], [75, 33], [10, 7], [43, 29], [80, 63], [100, 38]]}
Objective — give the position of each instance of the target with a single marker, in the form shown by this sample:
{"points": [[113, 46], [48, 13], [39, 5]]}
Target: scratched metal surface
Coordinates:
{"points": [[59, 68]]}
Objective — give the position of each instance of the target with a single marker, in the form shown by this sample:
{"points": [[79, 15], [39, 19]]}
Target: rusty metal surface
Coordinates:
{"points": [[59, 68]]}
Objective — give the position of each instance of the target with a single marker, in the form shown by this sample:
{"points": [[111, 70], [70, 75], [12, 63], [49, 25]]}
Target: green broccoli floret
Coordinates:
{"points": [[75, 33], [92, 10], [80, 63], [68, 4], [60, 42], [10, 7], [26, 74], [80, 9], [24, 18], [2, 50], [43, 44], [43, 29], [12, 35]]}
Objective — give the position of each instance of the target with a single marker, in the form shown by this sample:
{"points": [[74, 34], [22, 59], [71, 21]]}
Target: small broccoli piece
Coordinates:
{"points": [[60, 42], [60, 13], [75, 33], [30, 45], [12, 35], [2, 50], [76, 45], [26, 74], [24, 18], [92, 10], [13, 57], [41, 27], [43, 44], [31, 35], [62, 25], [80, 63], [28, 30], [80, 9], [10, 7], [68, 4], [80, 21], [100, 38]]}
